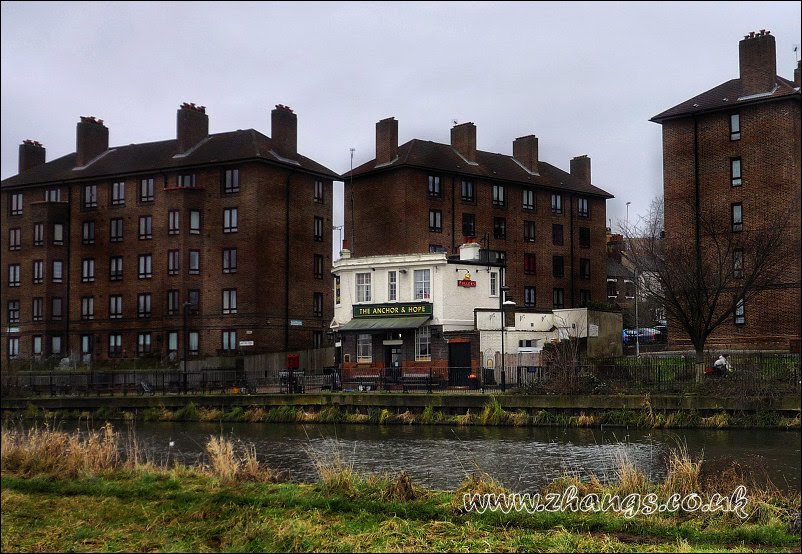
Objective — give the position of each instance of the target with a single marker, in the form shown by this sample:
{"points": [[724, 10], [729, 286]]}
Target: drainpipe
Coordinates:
{"points": [[453, 216], [573, 262], [287, 262]]}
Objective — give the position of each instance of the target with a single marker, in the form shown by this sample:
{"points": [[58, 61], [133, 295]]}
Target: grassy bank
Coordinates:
{"points": [[61, 492], [492, 413]]}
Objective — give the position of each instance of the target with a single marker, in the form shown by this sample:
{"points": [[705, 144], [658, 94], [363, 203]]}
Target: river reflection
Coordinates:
{"points": [[523, 459]]}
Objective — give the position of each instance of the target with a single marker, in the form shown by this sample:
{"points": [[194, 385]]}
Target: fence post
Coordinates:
{"points": [[430, 381], [503, 381]]}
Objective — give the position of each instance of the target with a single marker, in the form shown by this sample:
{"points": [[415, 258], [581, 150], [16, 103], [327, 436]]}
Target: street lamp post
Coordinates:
{"points": [[628, 203], [504, 303], [187, 306], [637, 329]]}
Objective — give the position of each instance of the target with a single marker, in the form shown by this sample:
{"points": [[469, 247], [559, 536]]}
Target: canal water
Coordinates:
{"points": [[523, 459]]}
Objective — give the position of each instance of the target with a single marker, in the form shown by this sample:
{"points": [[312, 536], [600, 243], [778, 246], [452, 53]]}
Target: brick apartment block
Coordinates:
{"points": [[741, 140], [237, 224], [422, 196]]}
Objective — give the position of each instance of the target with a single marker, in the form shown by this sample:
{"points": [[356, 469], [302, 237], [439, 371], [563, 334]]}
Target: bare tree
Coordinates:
{"points": [[701, 278]]}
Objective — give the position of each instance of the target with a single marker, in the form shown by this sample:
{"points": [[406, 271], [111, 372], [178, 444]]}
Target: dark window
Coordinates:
{"points": [[172, 302], [468, 225], [58, 271], [434, 186], [529, 264], [436, 248], [115, 345], [87, 308], [467, 189], [735, 126], [558, 269], [58, 234], [317, 339], [118, 193], [584, 268], [737, 218], [90, 196], [88, 270], [88, 234], [173, 262], [499, 198], [115, 306], [556, 203], [230, 223], [231, 181], [229, 338], [186, 181], [317, 304], [584, 297], [738, 263], [559, 298], [53, 195], [229, 260], [499, 228], [528, 199], [38, 309], [146, 190], [143, 304], [194, 262], [583, 207], [529, 231], [735, 172], [15, 206], [55, 308], [557, 234], [145, 266], [145, 227], [14, 238], [173, 222], [318, 196], [530, 296], [229, 301], [193, 297], [38, 272], [584, 237], [13, 311], [116, 230], [116, 268], [143, 343], [435, 221], [318, 266], [38, 234], [740, 312], [318, 231], [194, 222]]}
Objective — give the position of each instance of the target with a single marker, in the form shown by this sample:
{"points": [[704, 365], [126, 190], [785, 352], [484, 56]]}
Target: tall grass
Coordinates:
{"points": [[236, 461]]}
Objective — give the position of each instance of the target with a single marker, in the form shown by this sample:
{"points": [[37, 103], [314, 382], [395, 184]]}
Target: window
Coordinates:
{"points": [[499, 228], [145, 266], [186, 181], [529, 264], [229, 340], [498, 195], [193, 297], [88, 270], [468, 225], [229, 260], [194, 262], [467, 191], [143, 304], [172, 302], [55, 344], [58, 271], [584, 297], [56, 305], [36, 349], [115, 306], [172, 262], [229, 301], [583, 207], [530, 296], [556, 203], [529, 231], [13, 275], [38, 234], [230, 220], [87, 307], [231, 181], [422, 284], [318, 195], [195, 222], [737, 218], [559, 298], [423, 344], [434, 186], [115, 344], [557, 266], [528, 199], [145, 227], [557, 234], [38, 272], [493, 284], [13, 311], [86, 345], [436, 248], [143, 343], [392, 285], [318, 266], [38, 309], [15, 206], [88, 232], [317, 304], [364, 348], [118, 193], [584, 237], [740, 312], [90, 196], [53, 195], [629, 288], [738, 263], [13, 347], [173, 222], [363, 287], [584, 268], [735, 126], [115, 268], [146, 190], [116, 229], [436, 221], [318, 234], [58, 234], [735, 172], [172, 341], [194, 342], [612, 289], [14, 238], [337, 289], [317, 339]]}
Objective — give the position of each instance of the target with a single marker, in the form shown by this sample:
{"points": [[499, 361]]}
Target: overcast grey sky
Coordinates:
{"points": [[584, 77]]}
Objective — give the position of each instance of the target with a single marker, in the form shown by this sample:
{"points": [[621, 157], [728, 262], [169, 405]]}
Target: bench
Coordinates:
{"points": [[364, 383], [417, 381]]}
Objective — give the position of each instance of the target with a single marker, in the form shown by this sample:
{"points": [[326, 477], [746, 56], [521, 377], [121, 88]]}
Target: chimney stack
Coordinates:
{"points": [[386, 140], [284, 126], [524, 149], [345, 253], [192, 126], [92, 139], [797, 71], [758, 63], [463, 140], [31, 154], [580, 169]]}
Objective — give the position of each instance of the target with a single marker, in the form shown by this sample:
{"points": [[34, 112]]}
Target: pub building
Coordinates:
{"points": [[405, 315]]}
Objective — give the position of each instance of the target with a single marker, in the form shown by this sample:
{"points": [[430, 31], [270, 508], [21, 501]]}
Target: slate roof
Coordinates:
{"points": [[160, 156], [727, 95], [616, 269], [501, 167]]}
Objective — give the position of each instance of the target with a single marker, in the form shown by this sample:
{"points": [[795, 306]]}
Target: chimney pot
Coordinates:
{"points": [[758, 63], [192, 126], [92, 139], [31, 154]]}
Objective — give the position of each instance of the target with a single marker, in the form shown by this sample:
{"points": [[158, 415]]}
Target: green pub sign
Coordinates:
{"points": [[393, 310]]}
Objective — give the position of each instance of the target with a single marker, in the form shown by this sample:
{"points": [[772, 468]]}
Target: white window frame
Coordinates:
{"points": [[364, 348], [423, 284], [423, 344], [392, 286], [363, 288]]}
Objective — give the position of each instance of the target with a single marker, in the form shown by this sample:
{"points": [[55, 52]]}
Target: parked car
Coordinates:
{"points": [[644, 335]]}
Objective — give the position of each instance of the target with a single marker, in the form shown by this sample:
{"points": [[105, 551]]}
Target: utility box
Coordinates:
{"points": [[292, 361]]}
